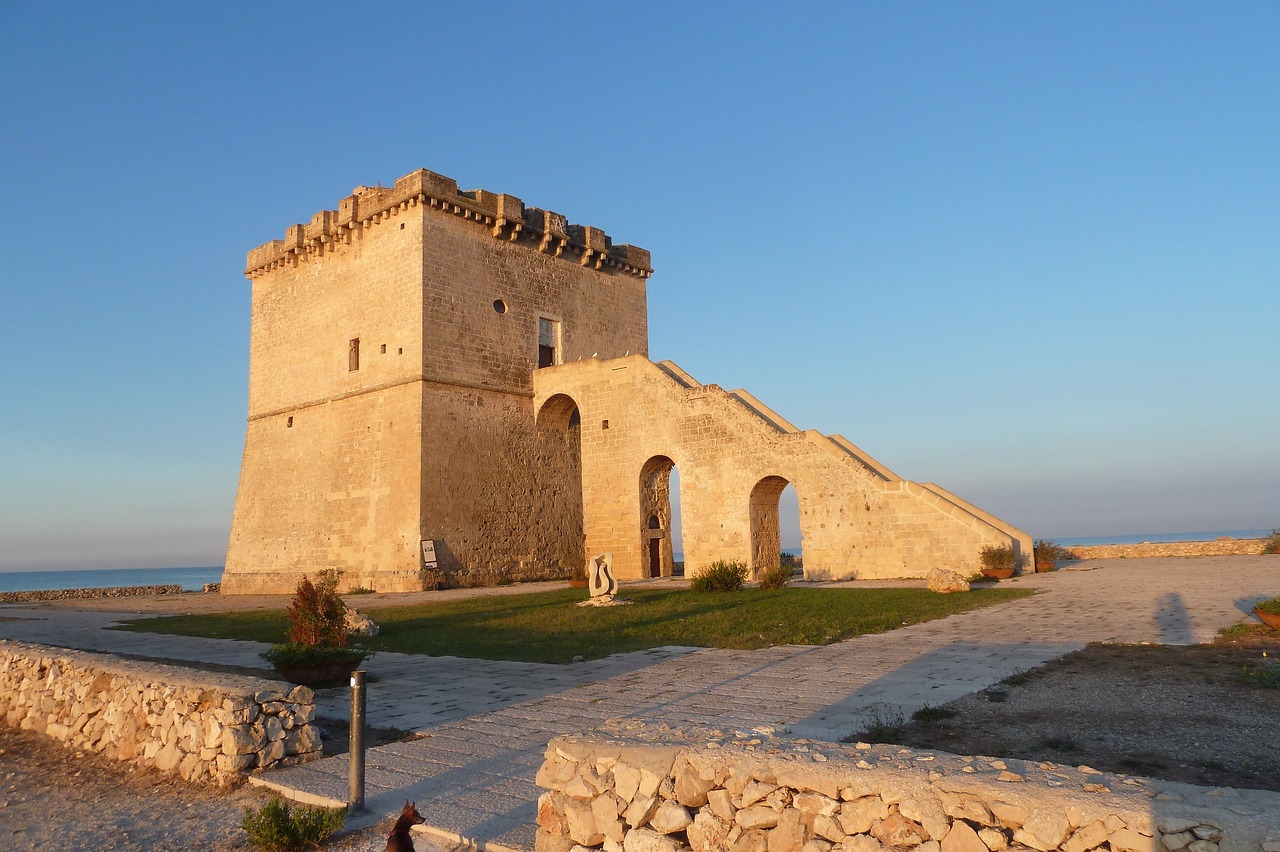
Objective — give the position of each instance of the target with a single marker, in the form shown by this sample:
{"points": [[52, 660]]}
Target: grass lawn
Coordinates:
{"points": [[545, 627]]}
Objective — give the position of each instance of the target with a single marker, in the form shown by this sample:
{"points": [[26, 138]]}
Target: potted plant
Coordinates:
{"points": [[317, 653], [1048, 555], [1268, 612], [1000, 562]]}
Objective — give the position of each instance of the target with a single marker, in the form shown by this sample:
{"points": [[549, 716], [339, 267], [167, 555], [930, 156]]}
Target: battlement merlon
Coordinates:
{"points": [[506, 217]]}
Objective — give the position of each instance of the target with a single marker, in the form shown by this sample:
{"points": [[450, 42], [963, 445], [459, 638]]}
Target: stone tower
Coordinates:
{"points": [[392, 350], [451, 381]]}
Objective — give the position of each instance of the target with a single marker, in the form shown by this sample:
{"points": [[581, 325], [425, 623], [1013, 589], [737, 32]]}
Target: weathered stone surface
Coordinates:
{"points": [[551, 813], [861, 843], [789, 834], [757, 816], [816, 803], [691, 787], [1010, 816], [640, 810], [928, 813], [708, 833], [645, 840], [993, 838], [626, 781], [897, 830], [606, 807], [753, 840], [670, 817], [962, 838], [857, 816], [1128, 840], [1043, 829], [582, 823], [1086, 837], [721, 804], [828, 827]]}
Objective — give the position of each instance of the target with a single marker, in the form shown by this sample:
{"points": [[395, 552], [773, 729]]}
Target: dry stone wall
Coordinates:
{"points": [[1153, 549], [819, 797], [201, 726]]}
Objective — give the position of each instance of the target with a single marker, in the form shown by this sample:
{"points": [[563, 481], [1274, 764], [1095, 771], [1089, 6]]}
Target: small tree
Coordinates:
{"points": [[317, 614], [1271, 544]]}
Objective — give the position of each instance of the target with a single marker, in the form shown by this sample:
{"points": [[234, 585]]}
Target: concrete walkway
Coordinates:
{"points": [[486, 724]]}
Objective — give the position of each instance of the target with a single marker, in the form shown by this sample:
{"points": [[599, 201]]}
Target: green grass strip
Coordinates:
{"points": [[545, 627]]}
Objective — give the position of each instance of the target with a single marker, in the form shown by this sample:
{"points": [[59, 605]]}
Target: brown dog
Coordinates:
{"points": [[400, 840]]}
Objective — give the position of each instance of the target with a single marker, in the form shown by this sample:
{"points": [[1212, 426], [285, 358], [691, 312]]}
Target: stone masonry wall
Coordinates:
{"points": [[857, 518], [819, 797], [201, 726], [350, 462], [1152, 549]]}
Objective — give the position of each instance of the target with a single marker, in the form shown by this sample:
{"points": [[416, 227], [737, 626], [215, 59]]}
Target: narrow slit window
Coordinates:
{"points": [[353, 355]]}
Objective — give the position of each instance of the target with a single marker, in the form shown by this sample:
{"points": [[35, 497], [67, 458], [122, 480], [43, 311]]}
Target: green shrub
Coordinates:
{"points": [[776, 577], [1271, 544], [277, 828], [1001, 557], [1266, 676], [720, 577], [1046, 551], [282, 656], [1271, 606]]}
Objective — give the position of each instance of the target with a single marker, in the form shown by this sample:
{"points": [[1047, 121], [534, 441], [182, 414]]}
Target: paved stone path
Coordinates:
{"points": [[485, 725]]}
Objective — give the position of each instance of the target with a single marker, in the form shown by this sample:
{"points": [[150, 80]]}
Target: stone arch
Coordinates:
{"points": [[558, 527], [766, 535], [657, 558]]}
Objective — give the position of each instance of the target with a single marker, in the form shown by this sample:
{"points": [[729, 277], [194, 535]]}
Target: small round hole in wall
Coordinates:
{"points": [[500, 306]]}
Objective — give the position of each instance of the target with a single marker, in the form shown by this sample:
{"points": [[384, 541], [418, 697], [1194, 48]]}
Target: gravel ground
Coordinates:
{"points": [[53, 797], [1180, 713]]}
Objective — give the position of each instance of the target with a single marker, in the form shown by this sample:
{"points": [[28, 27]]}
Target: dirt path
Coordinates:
{"points": [[1182, 713]]}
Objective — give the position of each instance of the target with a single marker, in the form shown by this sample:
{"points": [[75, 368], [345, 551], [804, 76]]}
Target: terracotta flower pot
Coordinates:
{"points": [[998, 573], [1045, 567], [1268, 618]]}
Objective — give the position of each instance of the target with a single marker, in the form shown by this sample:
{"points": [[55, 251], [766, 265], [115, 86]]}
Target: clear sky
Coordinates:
{"points": [[1027, 251]]}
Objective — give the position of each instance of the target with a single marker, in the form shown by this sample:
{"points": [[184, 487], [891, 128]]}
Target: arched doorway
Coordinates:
{"points": [[657, 553], [558, 533], [766, 536]]}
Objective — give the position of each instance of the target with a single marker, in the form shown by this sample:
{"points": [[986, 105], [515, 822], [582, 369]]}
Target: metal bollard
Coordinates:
{"points": [[355, 775]]}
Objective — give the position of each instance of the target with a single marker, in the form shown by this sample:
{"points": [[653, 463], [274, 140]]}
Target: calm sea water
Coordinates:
{"points": [[191, 579]]}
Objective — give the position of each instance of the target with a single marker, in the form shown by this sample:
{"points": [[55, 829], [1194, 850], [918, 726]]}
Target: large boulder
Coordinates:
{"points": [[944, 581], [359, 624]]}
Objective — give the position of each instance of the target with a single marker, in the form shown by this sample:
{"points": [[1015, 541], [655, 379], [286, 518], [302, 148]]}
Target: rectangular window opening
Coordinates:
{"points": [[353, 355], [549, 353]]}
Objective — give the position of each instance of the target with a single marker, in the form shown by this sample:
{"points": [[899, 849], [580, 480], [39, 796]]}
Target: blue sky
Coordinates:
{"points": [[1026, 251]]}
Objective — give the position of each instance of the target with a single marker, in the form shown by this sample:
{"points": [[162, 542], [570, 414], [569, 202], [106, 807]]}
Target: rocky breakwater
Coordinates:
{"points": [[81, 594], [200, 725], [817, 797]]}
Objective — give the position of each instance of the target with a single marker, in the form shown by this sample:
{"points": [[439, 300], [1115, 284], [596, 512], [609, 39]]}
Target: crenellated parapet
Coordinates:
{"points": [[503, 216]]}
